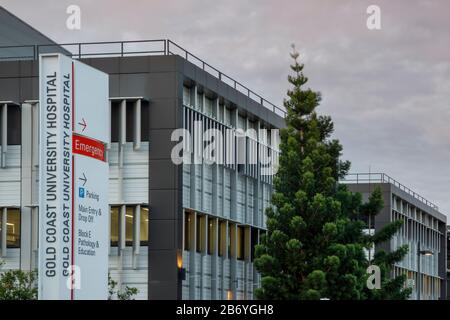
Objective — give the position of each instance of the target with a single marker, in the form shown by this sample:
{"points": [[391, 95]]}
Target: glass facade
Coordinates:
{"points": [[13, 226]]}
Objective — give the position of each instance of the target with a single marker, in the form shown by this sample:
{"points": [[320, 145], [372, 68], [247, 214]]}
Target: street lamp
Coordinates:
{"points": [[181, 270], [426, 253]]}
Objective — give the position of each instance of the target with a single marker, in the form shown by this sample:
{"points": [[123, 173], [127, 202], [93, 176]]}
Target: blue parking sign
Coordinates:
{"points": [[81, 192]]}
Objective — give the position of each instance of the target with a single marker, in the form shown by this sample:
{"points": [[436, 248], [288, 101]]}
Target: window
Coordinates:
{"points": [[129, 226], [209, 103], [201, 241], [12, 227], [115, 121], [129, 229], [129, 120], [145, 119], [114, 226], [187, 231], [222, 238], [231, 242], [199, 105], [186, 96], [144, 226], [254, 242], [240, 243], [13, 124], [211, 236], [227, 116]]}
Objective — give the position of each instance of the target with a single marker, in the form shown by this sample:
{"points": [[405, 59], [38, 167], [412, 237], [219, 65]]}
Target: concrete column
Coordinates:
{"points": [[257, 184], [165, 189], [122, 243], [204, 255], [26, 187], [122, 142], [234, 173], [225, 286], [109, 229], [136, 234], [122, 228], [233, 261], [215, 181], [137, 125], [4, 231], [194, 166], [123, 123], [4, 141], [192, 270], [34, 236], [108, 145], [248, 259], [214, 259]]}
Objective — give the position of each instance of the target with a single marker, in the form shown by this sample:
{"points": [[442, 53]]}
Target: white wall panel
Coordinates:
{"points": [[134, 172], [12, 259], [138, 277], [10, 178]]}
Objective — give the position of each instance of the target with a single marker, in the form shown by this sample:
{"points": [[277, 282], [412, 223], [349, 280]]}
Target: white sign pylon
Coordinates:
{"points": [[73, 180]]}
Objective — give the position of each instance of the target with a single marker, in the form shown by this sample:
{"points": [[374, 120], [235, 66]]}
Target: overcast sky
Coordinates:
{"points": [[387, 90]]}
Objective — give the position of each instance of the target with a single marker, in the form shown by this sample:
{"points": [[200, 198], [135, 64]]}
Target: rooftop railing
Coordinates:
{"points": [[131, 48], [384, 178]]}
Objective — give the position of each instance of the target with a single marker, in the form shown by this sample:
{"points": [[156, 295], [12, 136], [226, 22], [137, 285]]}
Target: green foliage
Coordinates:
{"points": [[126, 294], [314, 247], [18, 285]]}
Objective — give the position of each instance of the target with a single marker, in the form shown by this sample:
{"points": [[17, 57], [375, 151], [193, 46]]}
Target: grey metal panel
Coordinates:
{"points": [[162, 232], [134, 65], [164, 113], [165, 92], [163, 203], [26, 88], [108, 65], [163, 64], [132, 85], [10, 69], [10, 89], [162, 174], [161, 146], [162, 85], [114, 85]]}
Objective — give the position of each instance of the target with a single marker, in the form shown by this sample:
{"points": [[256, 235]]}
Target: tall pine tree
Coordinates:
{"points": [[314, 246]]}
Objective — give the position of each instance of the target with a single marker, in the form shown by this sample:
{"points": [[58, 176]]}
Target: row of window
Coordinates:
{"points": [[238, 241], [129, 226], [13, 226], [414, 213], [129, 118], [414, 231], [14, 122]]}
